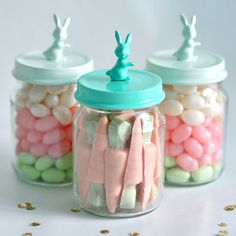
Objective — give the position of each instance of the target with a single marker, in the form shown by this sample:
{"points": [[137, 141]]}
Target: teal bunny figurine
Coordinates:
{"points": [[186, 51], [55, 52], [120, 70]]}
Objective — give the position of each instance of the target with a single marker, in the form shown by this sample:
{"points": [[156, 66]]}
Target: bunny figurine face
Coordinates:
{"points": [[189, 30], [122, 50], [61, 30]]}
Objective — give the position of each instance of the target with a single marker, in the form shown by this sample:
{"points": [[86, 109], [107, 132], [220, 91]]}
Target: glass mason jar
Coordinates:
{"points": [[195, 110], [43, 105], [118, 143]]}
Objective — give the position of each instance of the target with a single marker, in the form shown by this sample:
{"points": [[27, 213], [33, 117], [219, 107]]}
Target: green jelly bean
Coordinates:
{"points": [[43, 163], [26, 158], [69, 174], [65, 162], [53, 175], [217, 168], [29, 172], [177, 175], [203, 174], [169, 162], [90, 124], [119, 131]]}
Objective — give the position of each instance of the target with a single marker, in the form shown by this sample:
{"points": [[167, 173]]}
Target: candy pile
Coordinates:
{"points": [[118, 161], [44, 132], [194, 119]]}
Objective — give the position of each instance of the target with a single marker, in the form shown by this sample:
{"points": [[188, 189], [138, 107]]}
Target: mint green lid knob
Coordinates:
{"points": [[55, 52], [120, 70]]}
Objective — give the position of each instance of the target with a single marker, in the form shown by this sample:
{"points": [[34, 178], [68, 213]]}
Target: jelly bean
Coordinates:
{"points": [[167, 135], [171, 107], [69, 133], [193, 101], [67, 99], [21, 132], [174, 149], [181, 133], [185, 89], [186, 162], [29, 172], [215, 109], [201, 134], [23, 92], [51, 100], [19, 104], [171, 94], [210, 147], [128, 197], [57, 89], [38, 149], [34, 136], [25, 144], [54, 136], [193, 148], [217, 168], [216, 130], [217, 157], [96, 195], [53, 175], [37, 93], [203, 174], [46, 124], [28, 103], [64, 162], [172, 122], [39, 110], [26, 158], [207, 122], [69, 174], [177, 175], [169, 162], [43, 163], [62, 114], [204, 160], [59, 149], [25, 119], [193, 117]]}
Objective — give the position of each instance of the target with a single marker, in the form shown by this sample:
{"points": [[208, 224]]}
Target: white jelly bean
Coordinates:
{"points": [[185, 89], [57, 89], [19, 103], [193, 117], [67, 99], [37, 93], [28, 103], [51, 100], [214, 109], [171, 94], [193, 101], [62, 114], [23, 92], [171, 107], [39, 110]]}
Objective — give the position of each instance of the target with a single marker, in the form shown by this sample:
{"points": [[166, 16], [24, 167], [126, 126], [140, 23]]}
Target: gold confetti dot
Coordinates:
{"points": [[230, 208], [222, 224], [35, 224], [104, 231], [22, 205], [26, 205], [134, 234], [27, 234], [76, 210]]}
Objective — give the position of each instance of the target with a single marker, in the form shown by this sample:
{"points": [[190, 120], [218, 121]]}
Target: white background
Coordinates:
{"points": [[27, 25]]}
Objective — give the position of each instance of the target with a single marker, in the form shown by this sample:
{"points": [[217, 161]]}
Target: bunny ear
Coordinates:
{"points": [[117, 36], [128, 38], [66, 22], [193, 20], [57, 20], [183, 19]]}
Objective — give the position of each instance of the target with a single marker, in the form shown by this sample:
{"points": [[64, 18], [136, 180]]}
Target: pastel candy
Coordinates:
{"points": [[69, 133], [26, 158], [215, 109], [69, 174], [171, 94], [53, 175], [21, 132], [19, 104], [193, 117], [51, 100], [186, 162], [25, 119], [201, 134], [217, 168], [28, 103], [62, 114], [67, 99], [54, 136], [18, 149], [57, 89], [169, 162], [193, 101], [96, 195], [46, 124], [174, 149], [44, 163], [34, 136], [204, 160], [128, 197], [39, 110], [37, 93], [193, 148], [216, 130], [38, 149], [59, 149], [207, 122], [23, 92], [167, 135], [181, 133], [217, 157], [171, 107], [203, 174], [65, 162], [185, 89], [210, 147], [29, 172], [172, 122], [177, 175], [25, 144]]}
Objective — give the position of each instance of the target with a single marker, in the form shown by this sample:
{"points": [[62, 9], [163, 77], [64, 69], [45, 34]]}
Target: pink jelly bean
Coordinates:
{"points": [[204, 160], [59, 149], [217, 157], [167, 135], [174, 149], [18, 149], [34, 136], [172, 122], [21, 132], [201, 134], [210, 147], [54, 136], [216, 130], [181, 133], [38, 149], [69, 133], [207, 121], [193, 148], [186, 162], [46, 124], [25, 144], [25, 119]]}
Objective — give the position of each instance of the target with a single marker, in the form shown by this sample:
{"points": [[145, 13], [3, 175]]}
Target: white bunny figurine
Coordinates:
{"points": [[55, 52]]}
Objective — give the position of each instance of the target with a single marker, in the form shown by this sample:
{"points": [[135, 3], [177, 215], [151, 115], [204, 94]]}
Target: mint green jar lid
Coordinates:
{"points": [[97, 90], [188, 65]]}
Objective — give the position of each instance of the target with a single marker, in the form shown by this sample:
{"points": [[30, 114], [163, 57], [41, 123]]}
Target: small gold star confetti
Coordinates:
{"points": [[27, 234], [134, 234], [104, 231], [230, 207], [76, 210], [35, 224], [26, 205], [222, 224]]}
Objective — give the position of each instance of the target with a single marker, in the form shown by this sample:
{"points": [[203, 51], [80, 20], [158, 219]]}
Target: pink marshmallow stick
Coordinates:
{"points": [[115, 164]]}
